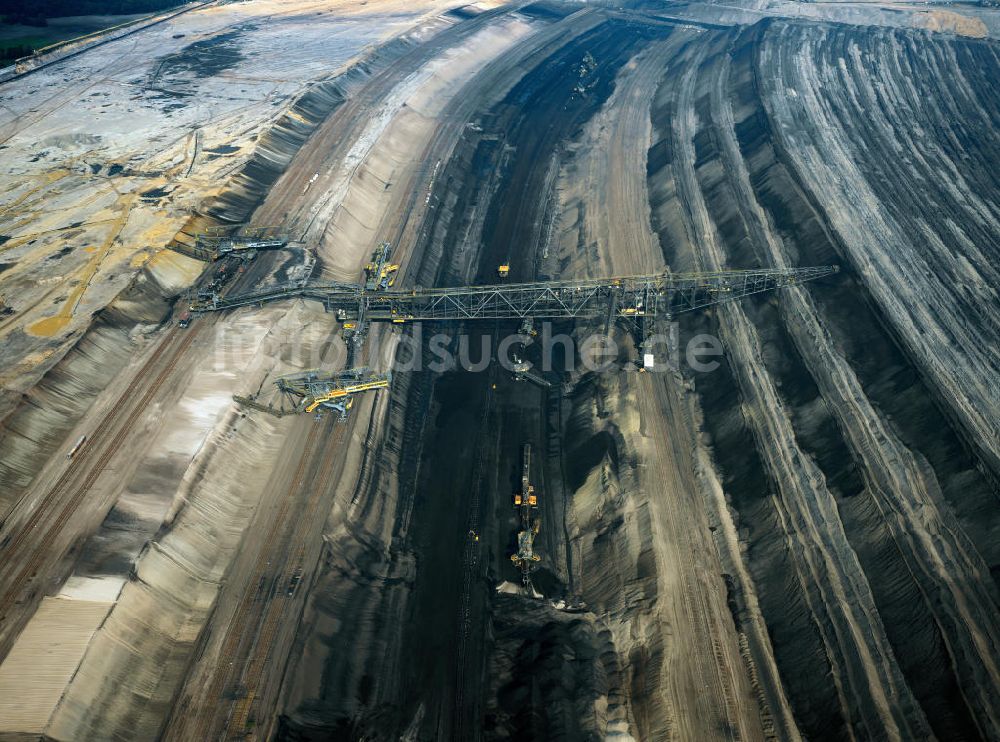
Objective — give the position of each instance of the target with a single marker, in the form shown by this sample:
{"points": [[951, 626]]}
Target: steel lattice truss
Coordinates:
{"points": [[314, 388], [664, 294], [316, 383]]}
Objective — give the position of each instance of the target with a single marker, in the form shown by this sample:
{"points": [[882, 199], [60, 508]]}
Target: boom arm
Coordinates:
{"points": [[335, 393], [316, 388]]}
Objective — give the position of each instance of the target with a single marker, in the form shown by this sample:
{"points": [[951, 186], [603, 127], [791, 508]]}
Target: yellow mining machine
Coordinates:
{"points": [[313, 391], [331, 397], [526, 501], [380, 273]]}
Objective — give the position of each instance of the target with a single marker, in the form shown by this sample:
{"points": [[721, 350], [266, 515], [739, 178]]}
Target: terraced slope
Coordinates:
{"points": [[868, 500], [833, 484]]}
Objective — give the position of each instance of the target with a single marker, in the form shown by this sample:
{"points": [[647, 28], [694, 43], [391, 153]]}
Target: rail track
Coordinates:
{"points": [[56, 508], [236, 633], [250, 635], [257, 663], [471, 560]]}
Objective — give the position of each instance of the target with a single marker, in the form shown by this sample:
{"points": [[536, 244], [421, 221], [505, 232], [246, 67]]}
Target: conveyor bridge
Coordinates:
{"points": [[634, 297]]}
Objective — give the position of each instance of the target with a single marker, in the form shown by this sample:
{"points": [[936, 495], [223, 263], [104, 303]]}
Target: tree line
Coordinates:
{"points": [[14, 11], [10, 53]]}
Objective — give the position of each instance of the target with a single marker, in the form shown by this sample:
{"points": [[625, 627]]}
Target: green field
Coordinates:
{"points": [[19, 40], [41, 9], [21, 46], [25, 28]]}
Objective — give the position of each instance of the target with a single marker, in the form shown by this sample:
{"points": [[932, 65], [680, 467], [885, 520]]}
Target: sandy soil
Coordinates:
{"points": [[102, 170]]}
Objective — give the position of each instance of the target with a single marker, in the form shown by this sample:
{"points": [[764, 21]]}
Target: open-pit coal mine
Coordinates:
{"points": [[502, 371]]}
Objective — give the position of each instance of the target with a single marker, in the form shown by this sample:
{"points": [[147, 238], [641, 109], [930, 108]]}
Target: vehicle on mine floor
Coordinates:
{"points": [[294, 582], [185, 319], [573, 605], [76, 447]]}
